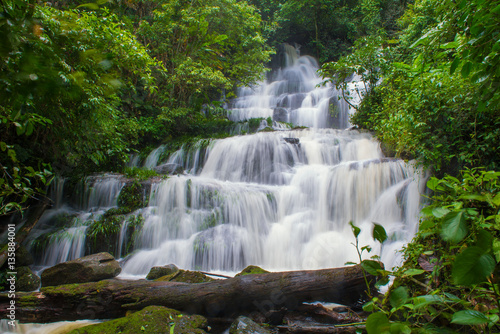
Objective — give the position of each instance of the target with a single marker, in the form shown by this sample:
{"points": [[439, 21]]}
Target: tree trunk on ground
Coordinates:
{"points": [[259, 292]]}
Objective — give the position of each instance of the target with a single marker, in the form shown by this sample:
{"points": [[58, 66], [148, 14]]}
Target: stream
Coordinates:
{"points": [[281, 198]]}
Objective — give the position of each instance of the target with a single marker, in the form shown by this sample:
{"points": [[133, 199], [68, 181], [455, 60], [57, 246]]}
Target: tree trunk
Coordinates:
{"points": [[259, 292]]}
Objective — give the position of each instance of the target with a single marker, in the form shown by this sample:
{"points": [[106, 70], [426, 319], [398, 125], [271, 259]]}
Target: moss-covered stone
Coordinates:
{"points": [[26, 279], [185, 276], [23, 257], [91, 268], [133, 196], [157, 272], [151, 320], [252, 270]]}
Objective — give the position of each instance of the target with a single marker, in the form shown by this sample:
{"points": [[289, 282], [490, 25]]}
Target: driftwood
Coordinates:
{"points": [[258, 292]]}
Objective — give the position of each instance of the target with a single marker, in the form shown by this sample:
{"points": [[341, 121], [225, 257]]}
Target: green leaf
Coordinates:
{"points": [[440, 212], [454, 65], [484, 241], [450, 45], [90, 5], [29, 128], [377, 323], [371, 267], [466, 68], [355, 230], [474, 197], [425, 300], [379, 233], [496, 199], [469, 317], [496, 249], [369, 306], [399, 328], [472, 266], [382, 281], [398, 296], [454, 226], [432, 183], [413, 272]]}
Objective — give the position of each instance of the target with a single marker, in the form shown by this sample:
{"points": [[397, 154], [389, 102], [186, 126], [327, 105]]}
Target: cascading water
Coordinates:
{"points": [[279, 199]]}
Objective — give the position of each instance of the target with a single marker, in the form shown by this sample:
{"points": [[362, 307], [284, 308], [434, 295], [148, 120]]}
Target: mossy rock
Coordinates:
{"points": [[26, 279], [267, 129], [91, 268], [151, 320], [23, 257], [133, 196], [186, 276], [160, 271], [252, 270]]}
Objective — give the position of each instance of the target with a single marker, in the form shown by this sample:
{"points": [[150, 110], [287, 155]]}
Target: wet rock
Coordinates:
{"points": [[185, 276], [280, 115], [252, 270], [169, 168], [90, 268], [157, 272], [151, 320], [294, 141], [23, 257], [26, 280], [244, 325]]}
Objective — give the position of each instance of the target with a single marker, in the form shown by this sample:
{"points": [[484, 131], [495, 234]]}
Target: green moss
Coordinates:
{"points": [[132, 197], [267, 129], [186, 276], [152, 319], [252, 270], [26, 279], [140, 174]]}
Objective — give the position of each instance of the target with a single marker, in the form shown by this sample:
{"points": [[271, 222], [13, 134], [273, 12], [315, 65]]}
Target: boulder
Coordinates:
{"points": [[244, 325], [23, 257], [294, 141], [91, 268], [151, 320], [157, 272], [26, 279], [186, 276], [252, 270]]}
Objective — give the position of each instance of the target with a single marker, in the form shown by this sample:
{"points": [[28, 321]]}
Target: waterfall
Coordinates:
{"points": [[281, 198]]}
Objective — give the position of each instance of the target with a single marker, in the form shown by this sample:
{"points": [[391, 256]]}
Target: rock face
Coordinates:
{"points": [[90, 268], [169, 168], [157, 272], [280, 115], [151, 320], [244, 325], [26, 279]]}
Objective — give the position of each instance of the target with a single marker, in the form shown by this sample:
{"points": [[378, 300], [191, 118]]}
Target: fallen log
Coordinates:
{"points": [[258, 292]]}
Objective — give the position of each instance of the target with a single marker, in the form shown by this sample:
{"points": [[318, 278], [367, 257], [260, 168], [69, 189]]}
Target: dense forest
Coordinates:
{"points": [[84, 85]]}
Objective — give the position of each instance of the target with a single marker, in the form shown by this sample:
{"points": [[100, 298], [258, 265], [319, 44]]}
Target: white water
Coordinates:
{"points": [[282, 200]]}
